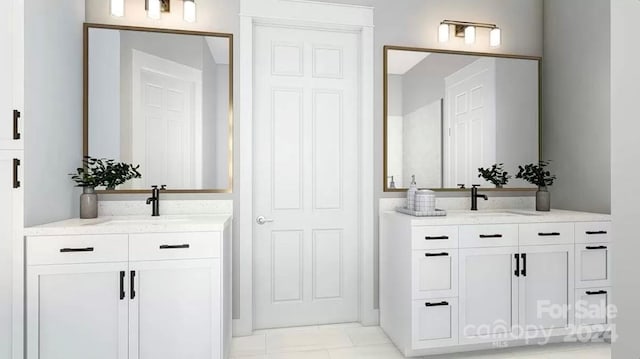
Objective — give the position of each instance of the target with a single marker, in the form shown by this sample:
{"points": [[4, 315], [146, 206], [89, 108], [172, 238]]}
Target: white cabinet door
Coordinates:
{"points": [[434, 323], [77, 311], [11, 73], [488, 294], [435, 274], [592, 306], [11, 263], [175, 309], [593, 265], [546, 289]]}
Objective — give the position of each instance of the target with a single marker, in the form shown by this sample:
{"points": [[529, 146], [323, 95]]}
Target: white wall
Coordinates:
{"points": [[53, 105], [577, 104], [625, 77]]}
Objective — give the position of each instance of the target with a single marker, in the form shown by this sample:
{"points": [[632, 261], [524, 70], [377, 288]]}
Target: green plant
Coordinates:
{"points": [[104, 172], [536, 174], [495, 174]]}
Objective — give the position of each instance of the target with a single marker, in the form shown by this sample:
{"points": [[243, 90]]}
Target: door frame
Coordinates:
{"points": [[320, 16]]}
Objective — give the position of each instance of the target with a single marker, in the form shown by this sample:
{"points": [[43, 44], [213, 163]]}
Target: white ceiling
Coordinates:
{"points": [[219, 47], [399, 62]]}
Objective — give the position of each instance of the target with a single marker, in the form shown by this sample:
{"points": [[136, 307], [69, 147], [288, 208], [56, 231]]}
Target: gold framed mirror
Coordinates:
{"points": [[448, 113], [161, 99]]}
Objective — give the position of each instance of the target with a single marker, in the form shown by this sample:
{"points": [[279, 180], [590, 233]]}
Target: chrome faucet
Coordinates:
{"points": [[155, 199], [475, 196]]}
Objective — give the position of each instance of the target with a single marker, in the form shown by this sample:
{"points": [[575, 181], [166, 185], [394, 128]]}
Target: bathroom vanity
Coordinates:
{"points": [[129, 287], [477, 280]]}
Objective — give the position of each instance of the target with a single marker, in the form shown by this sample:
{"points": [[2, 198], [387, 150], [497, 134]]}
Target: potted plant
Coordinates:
{"points": [[538, 175], [495, 174], [98, 172]]}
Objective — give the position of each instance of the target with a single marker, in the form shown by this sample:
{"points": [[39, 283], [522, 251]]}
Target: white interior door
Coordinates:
{"points": [[171, 312], [546, 283], [305, 176], [167, 123], [77, 311], [471, 122], [488, 294]]}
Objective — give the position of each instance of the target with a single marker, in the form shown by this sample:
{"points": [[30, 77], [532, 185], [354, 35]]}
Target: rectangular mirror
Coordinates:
{"points": [[446, 114], [162, 99]]}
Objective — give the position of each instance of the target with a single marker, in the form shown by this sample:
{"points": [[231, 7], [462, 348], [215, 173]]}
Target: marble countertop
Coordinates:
{"points": [[132, 224], [510, 216]]}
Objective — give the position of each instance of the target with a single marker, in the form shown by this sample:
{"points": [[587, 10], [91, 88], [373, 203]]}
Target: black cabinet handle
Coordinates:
{"points": [[133, 287], [595, 232], [517, 271], [597, 247], [72, 250], [436, 304], [524, 265], [550, 234], [483, 236], [443, 254], [597, 292], [122, 295], [16, 117], [16, 164], [177, 246], [436, 238]]}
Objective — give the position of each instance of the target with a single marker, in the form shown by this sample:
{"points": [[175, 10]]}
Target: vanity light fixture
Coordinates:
{"points": [[189, 10], [467, 30], [117, 8]]}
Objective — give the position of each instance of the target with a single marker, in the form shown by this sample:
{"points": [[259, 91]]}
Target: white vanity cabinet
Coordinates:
{"points": [[129, 296], [464, 282]]}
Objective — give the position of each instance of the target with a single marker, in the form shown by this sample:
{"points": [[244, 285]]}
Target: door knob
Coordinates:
{"points": [[261, 220]]}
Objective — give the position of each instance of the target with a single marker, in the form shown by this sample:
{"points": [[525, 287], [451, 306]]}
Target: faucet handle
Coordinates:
{"points": [[475, 185], [155, 186], [163, 187], [461, 185]]}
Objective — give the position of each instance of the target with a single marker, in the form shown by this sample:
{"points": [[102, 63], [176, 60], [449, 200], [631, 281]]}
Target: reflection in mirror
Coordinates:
{"points": [[449, 114], [161, 100]]}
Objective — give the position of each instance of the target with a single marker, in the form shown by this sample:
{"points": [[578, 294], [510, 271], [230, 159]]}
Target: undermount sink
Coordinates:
{"points": [[144, 221]]}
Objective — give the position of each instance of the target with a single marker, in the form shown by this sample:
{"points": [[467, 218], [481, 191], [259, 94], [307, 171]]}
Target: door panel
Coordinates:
{"points": [[488, 294], [546, 291], [593, 265], [77, 311], [306, 172], [172, 315]]}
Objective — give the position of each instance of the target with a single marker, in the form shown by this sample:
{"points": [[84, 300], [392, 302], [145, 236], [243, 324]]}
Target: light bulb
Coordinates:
{"points": [[443, 33], [117, 8], [153, 9], [189, 10], [470, 35], [495, 37]]}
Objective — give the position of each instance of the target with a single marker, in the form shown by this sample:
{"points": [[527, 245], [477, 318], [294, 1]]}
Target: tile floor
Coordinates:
{"points": [[353, 341]]}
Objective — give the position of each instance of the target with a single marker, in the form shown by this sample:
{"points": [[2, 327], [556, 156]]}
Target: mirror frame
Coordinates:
{"points": [[385, 110], [85, 102]]}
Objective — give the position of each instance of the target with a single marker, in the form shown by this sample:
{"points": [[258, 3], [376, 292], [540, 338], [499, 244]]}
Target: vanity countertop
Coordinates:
{"points": [[514, 216], [132, 224]]}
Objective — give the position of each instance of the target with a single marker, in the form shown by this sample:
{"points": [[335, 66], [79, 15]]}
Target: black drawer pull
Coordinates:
{"points": [[550, 234], [597, 292], [436, 304], [517, 271], [598, 247], [16, 117], [483, 236], [132, 284], [72, 250], [443, 254], [436, 238], [523, 272], [122, 295], [177, 246], [16, 164], [591, 233]]}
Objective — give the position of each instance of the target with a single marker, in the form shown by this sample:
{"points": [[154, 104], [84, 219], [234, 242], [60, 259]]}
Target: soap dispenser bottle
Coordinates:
{"points": [[411, 194]]}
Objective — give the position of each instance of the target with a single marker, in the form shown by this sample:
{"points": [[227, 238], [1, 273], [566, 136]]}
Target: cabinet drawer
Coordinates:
{"points": [[489, 235], [546, 233], [593, 265], [434, 237], [435, 274], [160, 246], [591, 307], [77, 249], [434, 323], [593, 232]]}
